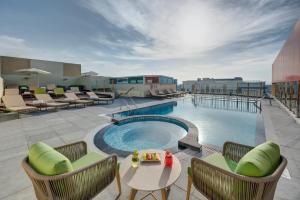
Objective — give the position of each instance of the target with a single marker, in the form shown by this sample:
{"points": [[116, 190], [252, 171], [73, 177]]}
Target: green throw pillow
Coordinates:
{"points": [[47, 161], [260, 161]]}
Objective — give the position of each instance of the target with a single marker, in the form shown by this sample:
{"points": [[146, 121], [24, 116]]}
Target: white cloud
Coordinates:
{"points": [[186, 29], [13, 46]]}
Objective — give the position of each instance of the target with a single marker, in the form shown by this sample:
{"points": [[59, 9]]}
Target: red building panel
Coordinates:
{"points": [[286, 66], [152, 79]]}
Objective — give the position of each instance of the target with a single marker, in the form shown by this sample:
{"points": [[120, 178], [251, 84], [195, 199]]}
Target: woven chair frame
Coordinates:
{"points": [[216, 183], [81, 184]]}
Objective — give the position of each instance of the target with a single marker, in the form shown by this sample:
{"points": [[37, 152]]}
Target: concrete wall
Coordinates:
{"points": [[141, 90], [58, 71], [0, 65], [1, 88], [94, 82]]}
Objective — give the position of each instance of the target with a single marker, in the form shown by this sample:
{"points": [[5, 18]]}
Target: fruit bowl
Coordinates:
{"points": [[150, 157]]}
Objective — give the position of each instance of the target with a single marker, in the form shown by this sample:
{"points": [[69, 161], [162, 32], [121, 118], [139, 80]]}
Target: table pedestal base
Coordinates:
{"points": [[164, 194]]}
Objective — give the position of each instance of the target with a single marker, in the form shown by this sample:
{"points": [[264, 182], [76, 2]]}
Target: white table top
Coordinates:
{"points": [[150, 176]]}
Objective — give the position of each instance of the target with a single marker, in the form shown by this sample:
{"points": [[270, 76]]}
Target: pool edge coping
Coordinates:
{"points": [[189, 141]]}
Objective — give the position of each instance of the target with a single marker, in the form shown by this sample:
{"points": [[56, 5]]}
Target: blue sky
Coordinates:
{"points": [[185, 39]]}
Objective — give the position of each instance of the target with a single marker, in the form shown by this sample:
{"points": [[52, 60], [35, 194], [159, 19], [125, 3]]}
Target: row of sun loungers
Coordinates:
{"points": [[14, 102], [167, 93]]}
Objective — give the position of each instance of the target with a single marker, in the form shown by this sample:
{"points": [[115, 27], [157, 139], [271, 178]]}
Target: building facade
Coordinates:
{"points": [[66, 74], [188, 86], [226, 86], [61, 73], [139, 86], [286, 72]]}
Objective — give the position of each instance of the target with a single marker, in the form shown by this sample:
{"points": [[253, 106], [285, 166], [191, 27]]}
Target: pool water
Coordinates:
{"points": [[217, 120], [144, 135]]}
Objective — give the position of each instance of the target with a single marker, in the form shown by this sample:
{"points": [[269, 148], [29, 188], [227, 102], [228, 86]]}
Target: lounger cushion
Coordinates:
{"points": [[47, 161], [58, 91], [40, 91], [218, 160], [260, 161], [87, 160], [22, 108]]}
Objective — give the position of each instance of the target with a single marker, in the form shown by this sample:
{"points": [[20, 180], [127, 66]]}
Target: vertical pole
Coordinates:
{"points": [[281, 92], [285, 93], [298, 99], [248, 89], [291, 95], [260, 89]]}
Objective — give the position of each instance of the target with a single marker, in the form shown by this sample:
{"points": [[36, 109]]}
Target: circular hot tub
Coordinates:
{"points": [[143, 132]]}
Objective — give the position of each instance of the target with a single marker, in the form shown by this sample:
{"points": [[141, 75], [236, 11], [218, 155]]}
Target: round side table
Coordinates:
{"points": [[150, 176]]}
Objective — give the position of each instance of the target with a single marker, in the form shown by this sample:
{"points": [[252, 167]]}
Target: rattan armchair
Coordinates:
{"points": [[216, 183], [80, 184]]}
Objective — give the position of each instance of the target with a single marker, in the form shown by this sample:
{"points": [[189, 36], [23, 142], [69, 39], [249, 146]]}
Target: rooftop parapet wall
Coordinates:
{"points": [[286, 66]]}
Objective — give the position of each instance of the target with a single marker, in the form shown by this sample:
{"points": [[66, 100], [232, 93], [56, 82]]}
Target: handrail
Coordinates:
{"points": [[125, 93], [126, 102], [258, 107]]}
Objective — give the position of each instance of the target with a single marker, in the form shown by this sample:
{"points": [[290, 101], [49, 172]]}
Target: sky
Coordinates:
{"points": [[186, 39]]}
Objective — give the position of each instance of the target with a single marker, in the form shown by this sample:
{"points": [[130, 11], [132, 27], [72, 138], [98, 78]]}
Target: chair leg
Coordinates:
{"points": [[189, 186], [132, 194], [163, 194], [118, 182]]}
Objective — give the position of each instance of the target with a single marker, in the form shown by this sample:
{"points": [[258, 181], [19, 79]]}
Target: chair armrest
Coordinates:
{"points": [[235, 151], [88, 181], [83, 183], [73, 151], [216, 183]]}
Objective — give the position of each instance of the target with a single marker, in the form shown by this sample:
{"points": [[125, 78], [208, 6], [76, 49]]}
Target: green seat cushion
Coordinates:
{"points": [[260, 161], [87, 160], [218, 160], [47, 161], [40, 91], [58, 91]]}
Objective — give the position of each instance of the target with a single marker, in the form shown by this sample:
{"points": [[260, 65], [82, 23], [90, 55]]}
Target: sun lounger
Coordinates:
{"points": [[155, 95], [174, 92], [11, 91], [94, 97], [165, 92], [77, 100], [50, 102], [12, 87], [75, 90], [51, 87], [40, 91], [180, 93], [58, 92], [16, 103]]}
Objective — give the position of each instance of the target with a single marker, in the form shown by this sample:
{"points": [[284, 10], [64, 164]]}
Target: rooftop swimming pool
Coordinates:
{"points": [[218, 119]]}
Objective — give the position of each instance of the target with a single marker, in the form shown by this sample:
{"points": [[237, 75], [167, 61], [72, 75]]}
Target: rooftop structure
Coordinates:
{"points": [[286, 72], [189, 85], [139, 86], [233, 86], [61, 73]]}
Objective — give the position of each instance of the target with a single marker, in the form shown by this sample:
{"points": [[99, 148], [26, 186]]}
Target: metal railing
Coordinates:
{"points": [[127, 100], [225, 102], [288, 93]]}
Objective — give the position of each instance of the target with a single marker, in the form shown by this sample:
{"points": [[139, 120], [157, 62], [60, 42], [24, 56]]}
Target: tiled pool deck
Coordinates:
{"points": [[66, 126]]}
